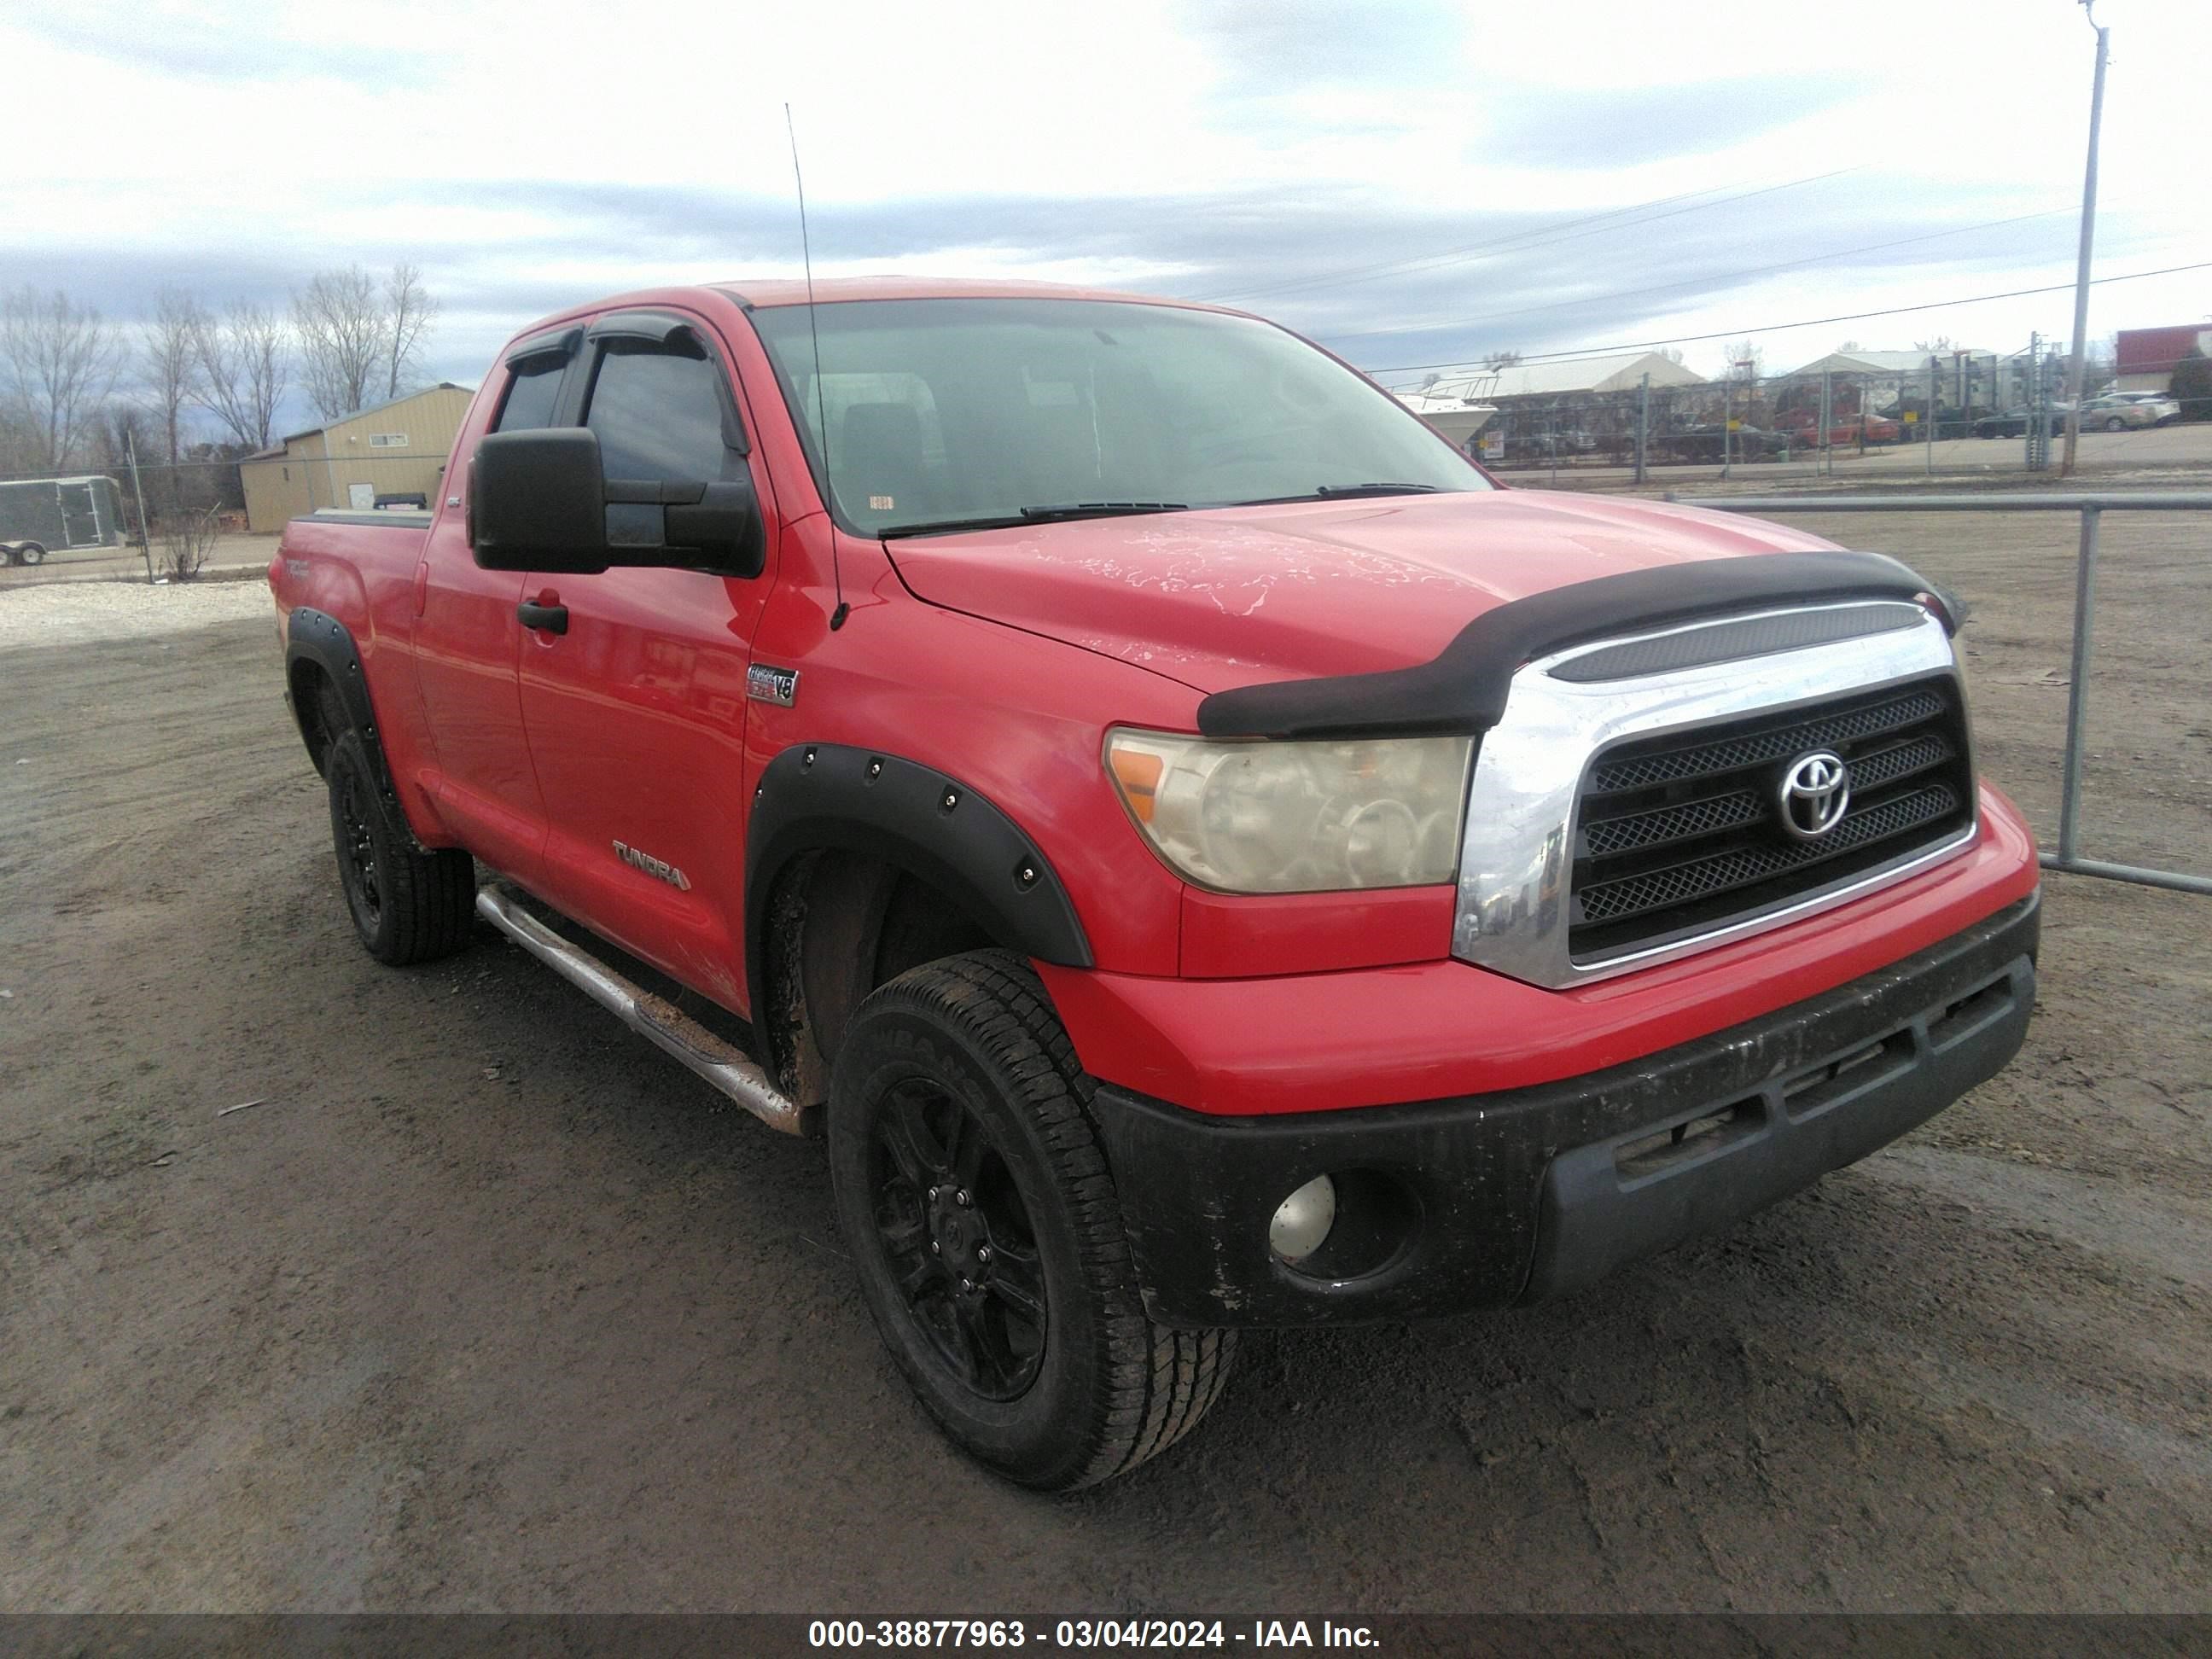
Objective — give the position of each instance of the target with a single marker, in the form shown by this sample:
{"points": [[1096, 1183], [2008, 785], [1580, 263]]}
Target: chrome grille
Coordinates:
{"points": [[1683, 833]]}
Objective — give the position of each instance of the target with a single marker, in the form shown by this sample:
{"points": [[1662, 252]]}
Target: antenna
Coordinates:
{"points": [[821, 415]]}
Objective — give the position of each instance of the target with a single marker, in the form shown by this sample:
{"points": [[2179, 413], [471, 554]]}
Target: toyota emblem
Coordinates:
{"points": [[1815, 792]]}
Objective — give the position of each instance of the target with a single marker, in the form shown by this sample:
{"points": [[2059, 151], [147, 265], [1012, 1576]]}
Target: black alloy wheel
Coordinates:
{"points": [[351, 807], [952, 1226], [973, 1194], [409, 903]]}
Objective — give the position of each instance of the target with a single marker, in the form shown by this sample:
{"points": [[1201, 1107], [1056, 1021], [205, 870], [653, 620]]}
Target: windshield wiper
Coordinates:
{"points": [[1035, 515], [1099, 510], [1344, 492]]}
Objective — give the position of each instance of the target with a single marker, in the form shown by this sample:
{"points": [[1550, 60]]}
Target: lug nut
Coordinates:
{"points": [[932, 1195], [935, 1248], [982, 1253], [961, 1198], [967, 1284]]}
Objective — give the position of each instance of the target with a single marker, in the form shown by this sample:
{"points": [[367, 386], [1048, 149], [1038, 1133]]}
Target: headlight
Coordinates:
{"points": [[1295, 817]]}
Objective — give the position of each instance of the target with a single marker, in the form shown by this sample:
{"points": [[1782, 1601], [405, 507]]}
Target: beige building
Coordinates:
{"points": [[395, 449]]}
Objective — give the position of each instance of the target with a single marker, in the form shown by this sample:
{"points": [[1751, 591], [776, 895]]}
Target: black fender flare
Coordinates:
{"points": [[316, 637], [830, 797]]}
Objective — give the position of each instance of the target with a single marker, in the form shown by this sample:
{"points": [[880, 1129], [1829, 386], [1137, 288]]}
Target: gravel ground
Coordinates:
{"points": [[487, 1305], [78, 613]]}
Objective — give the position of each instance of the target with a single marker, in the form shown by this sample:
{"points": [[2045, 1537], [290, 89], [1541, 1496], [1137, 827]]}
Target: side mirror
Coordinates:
{"points": [[536, 501], [540, 501]]}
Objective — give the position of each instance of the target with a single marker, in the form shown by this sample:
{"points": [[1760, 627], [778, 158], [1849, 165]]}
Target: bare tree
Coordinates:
{"points": [[345, 338], [243, 365], [57, 363], [410, 312], [185, 535], [1744, 357], [168, 365], [17, 446]]}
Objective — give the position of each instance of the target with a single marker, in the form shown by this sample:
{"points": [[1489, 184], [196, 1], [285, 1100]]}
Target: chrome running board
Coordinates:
{"points": [[726, 1066]]}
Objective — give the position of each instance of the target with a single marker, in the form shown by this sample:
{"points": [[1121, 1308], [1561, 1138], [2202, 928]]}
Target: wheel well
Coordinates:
{"points": [[317, 708], [840, 924]]}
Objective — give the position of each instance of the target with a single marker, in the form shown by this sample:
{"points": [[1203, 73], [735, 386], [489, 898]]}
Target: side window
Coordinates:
{"points": [[531, 394], [658, 411]]}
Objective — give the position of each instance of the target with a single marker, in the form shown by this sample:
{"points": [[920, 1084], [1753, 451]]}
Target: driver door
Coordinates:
{"points": [[635, 714]]}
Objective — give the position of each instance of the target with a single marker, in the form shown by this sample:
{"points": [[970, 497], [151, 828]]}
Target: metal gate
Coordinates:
{"points": [[2092, 506]]}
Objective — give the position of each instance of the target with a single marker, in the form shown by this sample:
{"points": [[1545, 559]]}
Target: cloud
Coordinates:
{"points": [[1599, 128], [1411, 182], [207, 45]]}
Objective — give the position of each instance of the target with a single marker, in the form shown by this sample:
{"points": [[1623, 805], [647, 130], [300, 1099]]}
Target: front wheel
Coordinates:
{"points": [[972, 1190], [2115, 424]]}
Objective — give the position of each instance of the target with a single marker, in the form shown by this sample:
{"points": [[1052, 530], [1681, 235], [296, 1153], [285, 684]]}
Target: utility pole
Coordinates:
{"points": [[2088, 236], [1934, 367], [1643, 424], [1728, 417], [145, 529], [1828, 421]]}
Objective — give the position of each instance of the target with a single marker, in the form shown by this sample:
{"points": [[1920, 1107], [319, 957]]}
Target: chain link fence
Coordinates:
{"points": [[1941, 412]]}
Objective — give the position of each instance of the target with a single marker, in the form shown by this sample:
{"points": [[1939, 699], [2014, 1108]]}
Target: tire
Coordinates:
{"points": [[2115, 424], [407, 905], [30, 553], [955, 1079]]}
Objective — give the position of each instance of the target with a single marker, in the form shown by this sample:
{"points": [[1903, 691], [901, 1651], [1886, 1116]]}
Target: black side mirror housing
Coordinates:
{"points": [[536, 501], [539, 501]]}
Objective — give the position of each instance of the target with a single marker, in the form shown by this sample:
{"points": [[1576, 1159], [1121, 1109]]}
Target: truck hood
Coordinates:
{"points": [[1234, 596]]}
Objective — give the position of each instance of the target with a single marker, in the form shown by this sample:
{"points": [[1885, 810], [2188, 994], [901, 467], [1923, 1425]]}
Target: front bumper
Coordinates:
{"points": [[1526, 1194]]}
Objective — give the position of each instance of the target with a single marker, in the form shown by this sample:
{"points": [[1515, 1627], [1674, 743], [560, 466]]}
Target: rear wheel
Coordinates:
{"points": [[972, 1190], [407, 905], [30, 553], [2115, 424]]}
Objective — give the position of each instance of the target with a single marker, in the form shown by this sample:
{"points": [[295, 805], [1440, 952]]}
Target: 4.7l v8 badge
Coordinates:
{"points": [[777, 685]]}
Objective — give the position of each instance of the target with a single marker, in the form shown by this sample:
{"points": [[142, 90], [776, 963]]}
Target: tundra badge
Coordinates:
{"points": [[659, 869], [777, 685]]}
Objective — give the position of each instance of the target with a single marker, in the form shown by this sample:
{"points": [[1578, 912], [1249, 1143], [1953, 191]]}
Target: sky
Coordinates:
{"points": [[1416, 185]]}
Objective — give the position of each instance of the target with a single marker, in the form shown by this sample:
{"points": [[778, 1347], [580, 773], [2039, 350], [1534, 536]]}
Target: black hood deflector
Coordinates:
{"points": [[1463, 689]]}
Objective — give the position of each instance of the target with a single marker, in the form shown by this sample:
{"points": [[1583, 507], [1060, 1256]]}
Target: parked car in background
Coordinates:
{"points": [[2013, 423], [1845, 433], [1711, 442], [2118, 410]]}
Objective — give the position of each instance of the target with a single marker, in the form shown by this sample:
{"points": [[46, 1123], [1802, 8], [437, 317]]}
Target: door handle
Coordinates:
{"points": [[548, 619]]}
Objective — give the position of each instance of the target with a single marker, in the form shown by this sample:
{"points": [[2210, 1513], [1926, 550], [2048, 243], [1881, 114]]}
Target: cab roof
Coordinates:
{"points": [[831, 291]]}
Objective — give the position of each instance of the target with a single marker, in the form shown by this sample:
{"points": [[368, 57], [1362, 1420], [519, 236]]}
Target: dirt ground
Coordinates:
{"points": [[487, 1305]]}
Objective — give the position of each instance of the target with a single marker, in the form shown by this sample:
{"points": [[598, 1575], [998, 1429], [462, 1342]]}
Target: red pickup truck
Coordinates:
{"points": [[1202, 854]]}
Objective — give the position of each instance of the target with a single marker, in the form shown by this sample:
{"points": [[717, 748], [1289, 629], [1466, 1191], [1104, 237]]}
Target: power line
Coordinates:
{"points": [[1536, 236], [1695, 282], [1581, 352]]}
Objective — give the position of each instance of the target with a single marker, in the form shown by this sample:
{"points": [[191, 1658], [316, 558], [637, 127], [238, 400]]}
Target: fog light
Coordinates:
{"points": [[1302, 1220]]}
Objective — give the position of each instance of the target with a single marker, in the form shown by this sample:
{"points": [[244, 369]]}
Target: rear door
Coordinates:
{"points": [[467, 637], [636, 714], [80, 515]]}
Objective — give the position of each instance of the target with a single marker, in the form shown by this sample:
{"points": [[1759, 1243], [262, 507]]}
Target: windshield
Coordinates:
{"points": [[946, 412]]}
